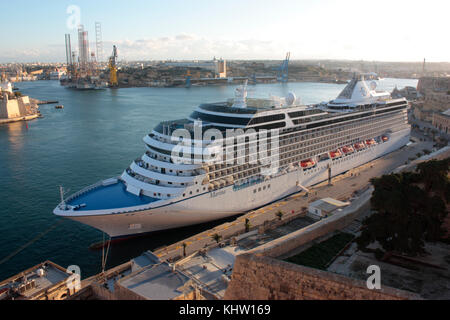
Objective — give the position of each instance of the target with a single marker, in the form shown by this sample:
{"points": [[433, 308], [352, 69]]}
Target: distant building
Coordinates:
{"points": [[436, 84], [441, 120], [421, 113], [219, 67], [436, 92], [56, 75], [324, 207], [6, 86], [410, 93], [18, 108]]}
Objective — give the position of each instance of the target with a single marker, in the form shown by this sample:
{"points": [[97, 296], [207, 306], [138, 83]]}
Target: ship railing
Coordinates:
{"points": [[186, 173], [84, 190]]}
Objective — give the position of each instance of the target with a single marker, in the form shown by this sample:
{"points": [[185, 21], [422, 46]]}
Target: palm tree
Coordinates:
{"points": [[280, 214], [216, 237], [184, 249], [247, 225]]}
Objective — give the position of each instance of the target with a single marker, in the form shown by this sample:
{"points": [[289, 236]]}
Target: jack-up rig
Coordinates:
{"points": [[84, 73]]}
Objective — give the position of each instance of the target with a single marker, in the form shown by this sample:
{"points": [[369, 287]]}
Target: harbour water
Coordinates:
{"points": [[96, 136]]}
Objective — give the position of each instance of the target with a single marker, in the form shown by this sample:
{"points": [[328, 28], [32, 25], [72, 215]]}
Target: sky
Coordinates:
{"points": [[382, 30]]}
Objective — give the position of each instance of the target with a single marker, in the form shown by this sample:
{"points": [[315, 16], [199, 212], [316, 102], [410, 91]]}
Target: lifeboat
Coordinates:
{"points": [[305, 164], [384, 138], [359, 146], [348, 149], [370, 142], [335, 154]]}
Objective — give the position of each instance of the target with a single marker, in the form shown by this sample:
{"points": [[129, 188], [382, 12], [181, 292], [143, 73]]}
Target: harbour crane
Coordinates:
{"points": [[112, 65], [283, 70]]}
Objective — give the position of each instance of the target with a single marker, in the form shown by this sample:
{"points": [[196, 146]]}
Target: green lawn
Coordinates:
{"points": [[321, 253]]}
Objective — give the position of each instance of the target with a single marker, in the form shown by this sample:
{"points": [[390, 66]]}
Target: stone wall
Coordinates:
{"points": [[337, 221], [257, 277]]}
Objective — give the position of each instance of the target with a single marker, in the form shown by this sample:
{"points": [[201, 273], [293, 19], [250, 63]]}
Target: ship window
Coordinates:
{"points": [[190, 192], [184, 194], [259, 189], [198, 190], [254, 191]]}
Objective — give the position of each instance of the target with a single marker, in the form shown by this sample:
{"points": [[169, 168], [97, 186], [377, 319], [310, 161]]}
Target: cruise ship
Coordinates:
{"points": [[231, 157]]}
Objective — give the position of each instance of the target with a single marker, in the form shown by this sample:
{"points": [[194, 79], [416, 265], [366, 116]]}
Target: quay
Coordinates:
{"points": [[205, 265]]}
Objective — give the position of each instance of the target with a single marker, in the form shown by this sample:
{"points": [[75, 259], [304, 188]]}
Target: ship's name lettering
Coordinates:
{"points": [[217, 193]]}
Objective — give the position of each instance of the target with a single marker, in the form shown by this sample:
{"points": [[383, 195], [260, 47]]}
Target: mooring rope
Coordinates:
{"points": [[29, 243]]}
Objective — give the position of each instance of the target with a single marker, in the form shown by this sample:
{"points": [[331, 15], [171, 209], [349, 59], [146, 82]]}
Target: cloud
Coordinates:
{"points": [[191, 46]]}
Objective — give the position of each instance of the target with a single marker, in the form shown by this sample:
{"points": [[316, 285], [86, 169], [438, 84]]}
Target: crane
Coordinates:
{"points": [[283, 71], [112, 65]]}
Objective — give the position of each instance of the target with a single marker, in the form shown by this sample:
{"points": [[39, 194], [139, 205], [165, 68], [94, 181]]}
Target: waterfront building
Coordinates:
{"points": [[6, 86], [14, 108]]}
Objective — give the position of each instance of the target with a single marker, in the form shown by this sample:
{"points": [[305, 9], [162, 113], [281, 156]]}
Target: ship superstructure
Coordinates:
{"points": [[230, 157]]}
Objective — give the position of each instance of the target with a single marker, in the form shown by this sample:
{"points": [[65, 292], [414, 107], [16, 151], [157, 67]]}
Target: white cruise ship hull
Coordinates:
{"points": [[227, 202]]}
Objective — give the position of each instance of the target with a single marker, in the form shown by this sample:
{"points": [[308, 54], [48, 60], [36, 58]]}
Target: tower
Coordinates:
{"points": [[83, 48], [98, 41]]}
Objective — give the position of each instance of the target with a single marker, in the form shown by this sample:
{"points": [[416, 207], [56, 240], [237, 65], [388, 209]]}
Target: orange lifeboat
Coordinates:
{"points": [[370, 142], [348, 149], [384, 138], [305, 164], [335, 154], [359, 146]]}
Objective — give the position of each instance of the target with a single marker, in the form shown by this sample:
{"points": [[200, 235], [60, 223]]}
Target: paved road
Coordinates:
{"points": [[342, 188]]}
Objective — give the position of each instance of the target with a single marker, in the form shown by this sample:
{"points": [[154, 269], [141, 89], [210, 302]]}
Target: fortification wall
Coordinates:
{"points": [[263, 278], [337, 221]]}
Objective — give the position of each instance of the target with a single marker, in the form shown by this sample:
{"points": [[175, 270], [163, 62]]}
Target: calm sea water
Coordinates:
{"points": [[95, 136]]}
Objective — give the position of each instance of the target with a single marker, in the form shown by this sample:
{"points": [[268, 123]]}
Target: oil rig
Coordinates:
{"points": [[83, 72]]}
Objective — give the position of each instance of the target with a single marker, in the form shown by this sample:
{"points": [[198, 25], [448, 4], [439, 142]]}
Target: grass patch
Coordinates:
{"points": [[321, 253]]}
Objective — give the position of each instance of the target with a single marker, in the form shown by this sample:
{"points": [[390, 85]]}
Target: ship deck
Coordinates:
{"points": [[109, 197]]}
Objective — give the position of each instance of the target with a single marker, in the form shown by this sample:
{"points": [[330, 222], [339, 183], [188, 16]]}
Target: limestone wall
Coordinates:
{"points": [[263, 278], [305, 235]]}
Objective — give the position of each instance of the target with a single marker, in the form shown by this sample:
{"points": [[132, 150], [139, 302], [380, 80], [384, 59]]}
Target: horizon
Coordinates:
{"points": [[403, 31]]}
